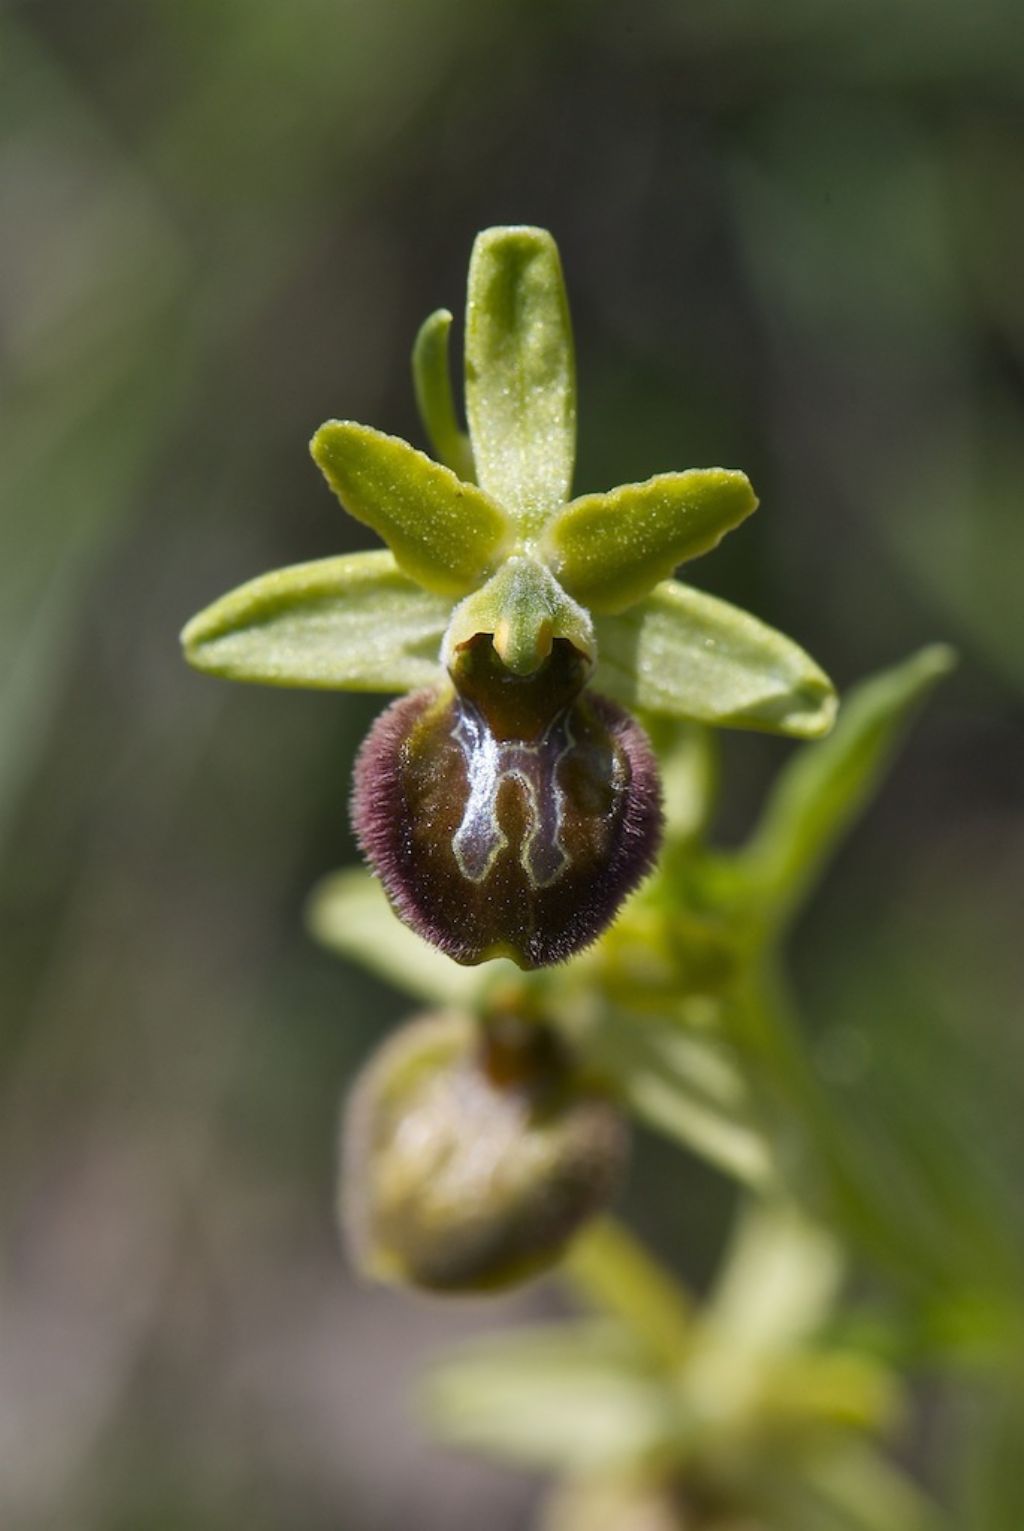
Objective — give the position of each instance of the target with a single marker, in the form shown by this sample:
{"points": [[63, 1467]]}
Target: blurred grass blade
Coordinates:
{"points": [[432, 382], [689, 655], [445, 534], [348, 912], [823, 789], [354, 623], [609, 550], [574, 1397], [520, 373]]}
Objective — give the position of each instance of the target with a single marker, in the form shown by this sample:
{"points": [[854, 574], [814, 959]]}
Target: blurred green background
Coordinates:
{"points": [[792, 237]]}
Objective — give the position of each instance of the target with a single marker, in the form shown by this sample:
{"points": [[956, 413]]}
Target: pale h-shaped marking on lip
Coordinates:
{"points": [[479, 839]]}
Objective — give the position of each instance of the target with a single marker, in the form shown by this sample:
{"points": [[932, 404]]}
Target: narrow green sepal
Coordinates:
{"points": [[690, 655], [520, 373], [445, 534], [354, 623], [526, 609], [432, 382], [573, 1397], [609, 550], [823, 790]]}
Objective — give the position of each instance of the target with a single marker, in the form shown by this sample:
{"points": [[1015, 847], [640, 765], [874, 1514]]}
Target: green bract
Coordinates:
{"points": [[487, 540]]}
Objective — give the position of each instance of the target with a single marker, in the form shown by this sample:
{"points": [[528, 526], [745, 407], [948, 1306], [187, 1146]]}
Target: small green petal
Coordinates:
{"points": [[354, 623], [432, 381], [609, 550], [525, 608], [445, 534], [690, 655], [520, 373]]}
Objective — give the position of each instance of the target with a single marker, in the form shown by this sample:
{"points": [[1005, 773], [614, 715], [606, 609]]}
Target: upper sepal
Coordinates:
{"points": [[609, 550], [686, 654], [354, 623], [446, 534], [520, 373]]}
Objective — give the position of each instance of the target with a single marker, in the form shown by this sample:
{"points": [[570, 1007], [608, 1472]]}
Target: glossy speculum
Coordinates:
{"points": [[508, 815]]}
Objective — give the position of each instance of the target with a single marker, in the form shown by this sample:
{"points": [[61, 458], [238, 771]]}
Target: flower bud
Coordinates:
{"points": [[471, 1156], [508, 815]]}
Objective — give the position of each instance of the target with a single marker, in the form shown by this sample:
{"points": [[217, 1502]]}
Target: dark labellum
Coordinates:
{"points": [[508, 815], [470, 1159]]}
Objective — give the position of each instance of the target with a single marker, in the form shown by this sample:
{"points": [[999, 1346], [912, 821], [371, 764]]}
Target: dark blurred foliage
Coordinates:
{"points": [[792, 236]]}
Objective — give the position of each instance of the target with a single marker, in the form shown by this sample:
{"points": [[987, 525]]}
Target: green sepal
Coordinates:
{"points": [[690, 655], [574, 1397], [354, 623], [432, 382], [445, 534], [525, 608], [520, 373], [609, 550], [822, 790]]}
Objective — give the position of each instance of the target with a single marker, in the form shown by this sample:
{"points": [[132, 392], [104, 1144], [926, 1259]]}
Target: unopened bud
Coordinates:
{"points": [[471, 1157]]}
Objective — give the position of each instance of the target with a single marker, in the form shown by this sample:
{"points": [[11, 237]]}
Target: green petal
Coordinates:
{"points": [[690, 655], [822, 790], [432, 381], [520, 373], [445, 534], [351, 624], [609, 550]]}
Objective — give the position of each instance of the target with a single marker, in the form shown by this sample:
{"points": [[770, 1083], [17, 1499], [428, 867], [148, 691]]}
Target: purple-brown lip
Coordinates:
{"points": [[506, 815]]}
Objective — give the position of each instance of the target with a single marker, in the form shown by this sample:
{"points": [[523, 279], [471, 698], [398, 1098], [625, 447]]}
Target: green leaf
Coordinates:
{"points": [[823, 789], [520, 373], [348, 912], [691, 655], [354, 623], [432, 382], [609, 550], [575, 1398], [445, 534]]}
